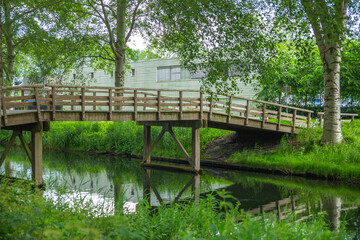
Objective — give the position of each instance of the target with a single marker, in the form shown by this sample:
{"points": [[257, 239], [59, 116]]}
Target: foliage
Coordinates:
{"points": [[26, 215], [305, 154], [297, 65]]}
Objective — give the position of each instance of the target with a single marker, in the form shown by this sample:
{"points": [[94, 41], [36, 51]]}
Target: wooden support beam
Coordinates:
{"points": [[196, 148], [187, 156], [146, 186], [8, 147], [26, 147], [36, 154], [147, 144], [157, 140], [158, 196], [178, 196]]}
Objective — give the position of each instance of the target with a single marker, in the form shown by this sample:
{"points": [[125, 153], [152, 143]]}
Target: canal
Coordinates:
{"points": [[110, 184]]}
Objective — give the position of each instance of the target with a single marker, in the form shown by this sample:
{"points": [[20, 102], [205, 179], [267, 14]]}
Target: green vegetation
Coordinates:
{"points": [[25, 214], [117, 137], [304, 153]]}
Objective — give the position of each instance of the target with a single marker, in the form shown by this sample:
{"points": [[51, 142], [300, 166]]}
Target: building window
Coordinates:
{"points": [[74, 75], [198, 74], [133, 72], [169, 73], [92, 75], [112, 74]]}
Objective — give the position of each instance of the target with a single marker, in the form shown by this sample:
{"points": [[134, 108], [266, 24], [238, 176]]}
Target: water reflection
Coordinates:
{"points": [[148, 185], [114, 185]]}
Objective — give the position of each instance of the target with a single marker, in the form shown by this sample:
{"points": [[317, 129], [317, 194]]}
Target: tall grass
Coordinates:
{"points": [[117, 137], [306, 154], [25, 214]]}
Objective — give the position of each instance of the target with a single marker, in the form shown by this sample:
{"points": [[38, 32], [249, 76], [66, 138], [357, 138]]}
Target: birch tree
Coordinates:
{"points": [[243, 34]]}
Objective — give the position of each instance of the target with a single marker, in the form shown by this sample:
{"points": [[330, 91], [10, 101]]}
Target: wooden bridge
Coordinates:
{"points": [[31, 108]]}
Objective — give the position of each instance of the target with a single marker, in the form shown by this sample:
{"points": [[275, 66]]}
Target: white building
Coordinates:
{"points": [[156, 74]]}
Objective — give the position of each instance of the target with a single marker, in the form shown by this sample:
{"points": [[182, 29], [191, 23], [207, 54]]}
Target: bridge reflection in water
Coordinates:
{"points": [[123, 184]]}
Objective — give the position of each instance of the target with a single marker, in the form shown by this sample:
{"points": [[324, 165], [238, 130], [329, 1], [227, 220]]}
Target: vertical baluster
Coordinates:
{"points": [[211, 105], [37, 102], [110, 104], [94, 102], [263, 115], [229, 109], [180, 104], [159, 104], [83, 104], [201, 105], [279, 118], [294, 120], [135, 104], [247, 112], [53, 99]]}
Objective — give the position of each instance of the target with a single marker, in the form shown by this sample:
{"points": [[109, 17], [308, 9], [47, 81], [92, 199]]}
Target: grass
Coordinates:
{"points": [[25, 214], [305, 154], [117, 137]]}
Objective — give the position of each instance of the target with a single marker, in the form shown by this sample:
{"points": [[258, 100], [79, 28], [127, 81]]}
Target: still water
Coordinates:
{"points": [[103, 181]]}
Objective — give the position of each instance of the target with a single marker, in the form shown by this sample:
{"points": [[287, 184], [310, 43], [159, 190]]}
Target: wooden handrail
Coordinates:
{"points": [[92, 98]]}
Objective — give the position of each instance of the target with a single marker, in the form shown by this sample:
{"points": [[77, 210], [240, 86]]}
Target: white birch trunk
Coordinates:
{"points": [[331, 58]]}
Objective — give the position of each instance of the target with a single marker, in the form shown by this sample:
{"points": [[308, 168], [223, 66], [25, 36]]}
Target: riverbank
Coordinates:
{"points": [[26, 214], [304, 154]]}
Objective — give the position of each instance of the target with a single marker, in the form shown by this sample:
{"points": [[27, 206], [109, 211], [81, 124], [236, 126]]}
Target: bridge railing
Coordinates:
{"points": [[94, 98]]}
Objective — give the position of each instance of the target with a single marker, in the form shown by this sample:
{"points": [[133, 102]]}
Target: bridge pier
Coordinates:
{"points": [[34, 152], [194, 159]]}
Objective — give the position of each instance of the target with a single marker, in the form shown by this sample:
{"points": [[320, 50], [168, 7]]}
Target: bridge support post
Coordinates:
{"points": [[37, 154], [196, 148], [194, 159], [147, 143]]}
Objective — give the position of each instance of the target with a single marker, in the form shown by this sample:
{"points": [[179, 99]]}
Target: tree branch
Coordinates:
{"points": [[132, 21]]}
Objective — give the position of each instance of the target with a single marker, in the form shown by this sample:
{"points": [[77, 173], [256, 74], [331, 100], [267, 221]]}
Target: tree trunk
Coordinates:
{"points": [[331, 58], [120, 44], [10, 45], [1, 61], [1, 52], [332, 206]]}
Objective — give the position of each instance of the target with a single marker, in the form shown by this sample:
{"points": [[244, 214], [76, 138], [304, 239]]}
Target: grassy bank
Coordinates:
{"points": [[117, 137], [304, 153], [25, 214]]}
